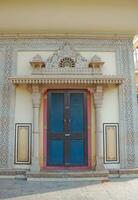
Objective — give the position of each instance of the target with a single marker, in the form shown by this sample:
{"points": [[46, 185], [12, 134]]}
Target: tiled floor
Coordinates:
{"points": [[80, 189]]}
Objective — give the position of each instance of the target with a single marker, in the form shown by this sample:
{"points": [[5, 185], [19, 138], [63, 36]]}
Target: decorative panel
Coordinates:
{"points": [[111, 143], [76, 113], [56, 156], [77, 152], [23, 144], [57, 113]]}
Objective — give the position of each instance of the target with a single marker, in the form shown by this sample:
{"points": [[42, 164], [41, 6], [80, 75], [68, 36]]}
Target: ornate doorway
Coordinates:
{"points": [[67, 143]]}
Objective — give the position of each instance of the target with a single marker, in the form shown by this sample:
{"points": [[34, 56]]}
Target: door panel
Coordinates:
{"points": [[78, 128], [56, 152], [77, 152], [76, 113], [57, 113], [67, 128], [56, 128]]}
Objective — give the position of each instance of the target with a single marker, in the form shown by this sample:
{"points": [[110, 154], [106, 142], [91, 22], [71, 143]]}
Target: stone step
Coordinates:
{"points": [[60, 174], [124, 173], [67, 174], [12, 173]]}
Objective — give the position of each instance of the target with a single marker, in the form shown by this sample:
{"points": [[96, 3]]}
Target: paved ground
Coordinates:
{"points": [[117, 189]]}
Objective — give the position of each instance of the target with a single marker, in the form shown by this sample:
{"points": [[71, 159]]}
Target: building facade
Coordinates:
{"points": [[67, 103]]}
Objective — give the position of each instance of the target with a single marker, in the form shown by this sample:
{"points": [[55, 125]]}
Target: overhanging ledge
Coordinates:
{"points": [[66, 79]]}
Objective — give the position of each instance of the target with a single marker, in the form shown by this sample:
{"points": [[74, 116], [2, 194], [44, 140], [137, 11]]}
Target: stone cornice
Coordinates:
{"points": [[96, 35], [66, 79]]}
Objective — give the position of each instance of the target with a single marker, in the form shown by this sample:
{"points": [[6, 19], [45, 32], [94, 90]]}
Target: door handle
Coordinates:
{"points": [[67, 135]]}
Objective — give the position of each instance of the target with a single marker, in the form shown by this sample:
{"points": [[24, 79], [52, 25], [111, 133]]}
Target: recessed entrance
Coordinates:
{"points": [[67, 128]]}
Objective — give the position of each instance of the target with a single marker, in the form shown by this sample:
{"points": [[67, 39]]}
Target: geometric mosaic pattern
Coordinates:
{"points": [[4, 108], [127, 100], [129, 106]]}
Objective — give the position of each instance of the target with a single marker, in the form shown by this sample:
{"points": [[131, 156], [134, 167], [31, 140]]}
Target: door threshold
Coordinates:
{"points": [[67, 174]]}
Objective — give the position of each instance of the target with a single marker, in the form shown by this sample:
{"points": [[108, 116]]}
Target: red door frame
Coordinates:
{"points": [[89, 103]]}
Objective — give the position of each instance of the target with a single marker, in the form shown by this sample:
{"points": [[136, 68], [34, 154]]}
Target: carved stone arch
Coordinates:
{"points": [[64, 53]]}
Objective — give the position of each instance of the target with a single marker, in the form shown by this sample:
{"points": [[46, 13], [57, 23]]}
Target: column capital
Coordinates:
{"points": [[35, 88], [36, 95], [98, 96]]}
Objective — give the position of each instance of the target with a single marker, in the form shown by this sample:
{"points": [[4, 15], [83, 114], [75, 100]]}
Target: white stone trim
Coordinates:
{"points": [[62, 79], [40, 35]]}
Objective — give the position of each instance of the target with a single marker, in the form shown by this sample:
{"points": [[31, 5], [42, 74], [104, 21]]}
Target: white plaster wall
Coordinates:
{"points": [[25, 57], [23, 111], [23, 106], [110, 112], [109, 67]]}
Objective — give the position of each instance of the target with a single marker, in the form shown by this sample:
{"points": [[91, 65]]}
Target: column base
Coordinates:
{"points": [[100, 165], [35, 167]]}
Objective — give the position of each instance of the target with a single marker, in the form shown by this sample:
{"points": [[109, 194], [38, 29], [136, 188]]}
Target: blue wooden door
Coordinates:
{"points": [[67, 128]]}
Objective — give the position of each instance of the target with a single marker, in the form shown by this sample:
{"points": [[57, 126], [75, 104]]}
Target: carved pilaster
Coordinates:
{"points": [[98, 99], [36, 97]]}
